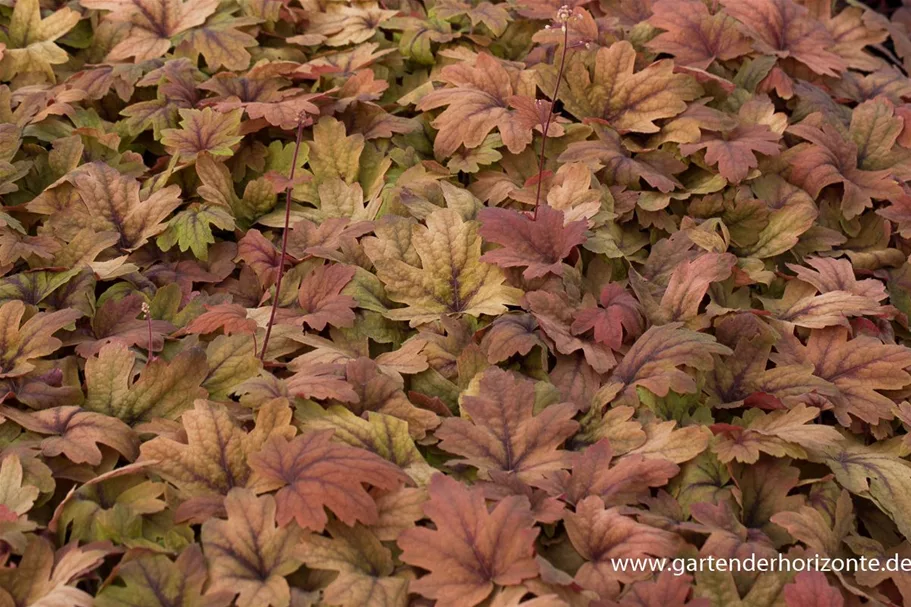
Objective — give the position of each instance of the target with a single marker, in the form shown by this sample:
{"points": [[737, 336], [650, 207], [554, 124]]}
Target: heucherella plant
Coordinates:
{"points": [[455, 302]]}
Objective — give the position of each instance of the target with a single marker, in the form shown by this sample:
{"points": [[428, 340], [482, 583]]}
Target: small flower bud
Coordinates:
{"points": [[146, 309], [563, 14]]}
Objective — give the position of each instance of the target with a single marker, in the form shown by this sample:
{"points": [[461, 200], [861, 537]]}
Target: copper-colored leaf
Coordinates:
{"points": [[363, 564], [626, 99], [230, 318], [601, 535], [653, 360], [784, 29], [471, 550], [810, 589], [623, 483], [20, 345], [504, 434], [151, 23], [312, 473], [477, 104], [619, 312], [212, 457], [248, 555], [110, 201], [321, 300], [695, 36], [76, 433], [857, 367], [203, 131], [538, 244]]}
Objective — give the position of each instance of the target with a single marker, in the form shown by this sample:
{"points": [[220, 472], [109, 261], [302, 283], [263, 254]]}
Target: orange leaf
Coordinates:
{"points": [[694, 36], [471, 549], [539, 245], [503, 433], [477, 105], [784, 28], [312, 472]]}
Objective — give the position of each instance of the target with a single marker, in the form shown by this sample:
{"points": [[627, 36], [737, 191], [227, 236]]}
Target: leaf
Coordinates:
{"points": [[76, 433], [248, 555], [438, 270], [163, 389], [627, 100], [43, 578], [857, 367], [694, 36], [734, 151], [16, 496], [720, 588], [619, 312], [810, 589], [664, 441], [284, 109], [154, 580], [821, 531], [203, 131], [29, 40], [381, 392], [312, 473], [347, 25], [379, 433], [628, 480], [123, 322], [231, 360], [221, 43], [538, 244], [875, 474], [363, 564], [212, 459], [786, 223], [494, 16], [830, 159], [471, 549], [657, 168], [503, 434], [320, 381], [152, 23], [601, 535], [20, 345], [653, 359], [555, 317], [686, 287], [110, 201], [784, 29], [801, 307], [190, 229], [776, 433], [477, 104], [321, 300], [334, 153], [668, 590], [230, 318], [260, 255], [509, 335]]}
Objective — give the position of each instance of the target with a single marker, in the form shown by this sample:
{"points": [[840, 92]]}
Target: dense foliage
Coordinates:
{"points": [[489, 341]]}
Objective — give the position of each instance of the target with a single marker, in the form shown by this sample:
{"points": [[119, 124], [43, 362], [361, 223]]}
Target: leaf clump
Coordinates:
{"points": [[453, 302]]}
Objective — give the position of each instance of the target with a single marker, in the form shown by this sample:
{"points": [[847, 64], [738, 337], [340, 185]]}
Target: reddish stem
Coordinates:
{"points": [[550, 115], [284, 253]]}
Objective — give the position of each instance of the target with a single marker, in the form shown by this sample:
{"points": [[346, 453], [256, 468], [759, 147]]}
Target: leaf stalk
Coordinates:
{"points": [[563, 16], [284, 251]]}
